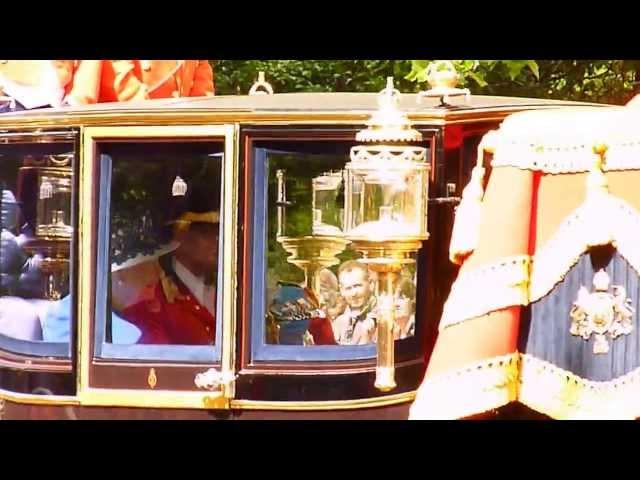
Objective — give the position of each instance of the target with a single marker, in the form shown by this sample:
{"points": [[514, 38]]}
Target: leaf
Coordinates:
{"points": [[478, 79], [418, 71], [420, 64], [533, 66], [515, 67]]}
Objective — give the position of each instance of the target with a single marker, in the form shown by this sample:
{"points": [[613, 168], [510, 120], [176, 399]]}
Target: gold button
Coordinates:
{"points": [[208, 329], [197, 307]]}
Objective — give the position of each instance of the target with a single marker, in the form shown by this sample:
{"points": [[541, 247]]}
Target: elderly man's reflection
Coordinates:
{"points": [[357, 324], [172, 298]]}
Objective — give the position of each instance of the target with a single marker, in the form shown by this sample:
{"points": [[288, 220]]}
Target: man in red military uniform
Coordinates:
{"points": [[131, 80], [172, 298], [42, 83]]}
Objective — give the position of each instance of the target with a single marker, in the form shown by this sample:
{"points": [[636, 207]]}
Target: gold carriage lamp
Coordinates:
{"points": [[54, 199], [53, 229], [320, 250], [386, 195]]}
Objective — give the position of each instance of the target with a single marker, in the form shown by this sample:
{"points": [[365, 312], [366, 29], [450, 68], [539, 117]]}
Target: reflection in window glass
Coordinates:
{"points": [[164, 236], [36, 183], [317, 292]]}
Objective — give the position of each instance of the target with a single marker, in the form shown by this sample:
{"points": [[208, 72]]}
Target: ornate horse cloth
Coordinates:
{"points": [[544, 310]]}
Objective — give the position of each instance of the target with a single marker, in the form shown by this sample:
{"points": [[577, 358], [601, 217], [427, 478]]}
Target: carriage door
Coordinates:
{"points": [[157, 283]]}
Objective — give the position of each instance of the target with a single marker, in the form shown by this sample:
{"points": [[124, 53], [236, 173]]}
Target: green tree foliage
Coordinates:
{"points": [[237, 76], [606, 81]]}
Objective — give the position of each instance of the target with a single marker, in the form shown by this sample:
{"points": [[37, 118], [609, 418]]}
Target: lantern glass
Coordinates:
{"points": [[328, 210], [386, 199], [54, 205]]}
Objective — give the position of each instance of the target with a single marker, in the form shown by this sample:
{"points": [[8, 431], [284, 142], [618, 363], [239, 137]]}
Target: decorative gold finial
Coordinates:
{"points": [[389, 123], [442, 74], [443, 78]]}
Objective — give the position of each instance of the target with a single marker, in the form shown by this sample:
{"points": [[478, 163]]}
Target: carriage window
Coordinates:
{"points": [[314, 298], [160, 227], [37, 222]]}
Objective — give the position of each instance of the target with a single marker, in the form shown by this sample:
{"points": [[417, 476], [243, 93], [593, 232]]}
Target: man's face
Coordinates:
{"points": [[355, 288], [200, 244]]}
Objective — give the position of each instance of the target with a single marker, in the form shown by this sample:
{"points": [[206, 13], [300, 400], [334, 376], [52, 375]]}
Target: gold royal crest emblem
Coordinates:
{"points": [[601, 312]]}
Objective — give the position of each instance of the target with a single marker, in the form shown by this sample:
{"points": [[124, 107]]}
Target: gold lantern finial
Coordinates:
{"points": [[389, 123]]}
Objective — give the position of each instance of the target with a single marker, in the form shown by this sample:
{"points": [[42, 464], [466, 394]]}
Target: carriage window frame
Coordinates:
{"points": [[40, 351], [259, 354], [112, 351], [114, 381]]}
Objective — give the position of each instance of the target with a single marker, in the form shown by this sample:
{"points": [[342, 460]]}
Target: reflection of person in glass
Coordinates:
{"points": [[19, 277], [405, 309], [331, 302], [172, 298], [357, 324], [296, 318]]}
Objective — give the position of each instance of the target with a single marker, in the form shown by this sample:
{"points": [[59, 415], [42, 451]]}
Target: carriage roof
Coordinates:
{"points": [[279, 107]]}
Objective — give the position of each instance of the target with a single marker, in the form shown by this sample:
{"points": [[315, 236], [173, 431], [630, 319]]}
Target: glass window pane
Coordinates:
{"points": [[37, 188], [164, 244], [320, 300]]}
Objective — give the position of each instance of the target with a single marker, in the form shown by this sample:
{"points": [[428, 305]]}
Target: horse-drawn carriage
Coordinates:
{"points": [[259, 256]]}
